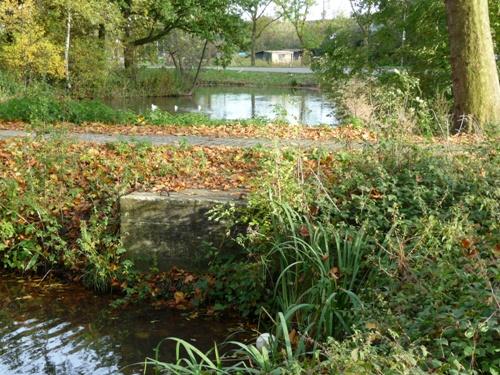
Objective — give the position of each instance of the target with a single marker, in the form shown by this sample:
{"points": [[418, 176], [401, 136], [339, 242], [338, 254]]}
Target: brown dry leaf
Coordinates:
{"points": [[180, 298], [188, 279], [313, 210], [472, 253], [334, 273], [294, 337], [466, 244], [304, 231], [375, 194]]}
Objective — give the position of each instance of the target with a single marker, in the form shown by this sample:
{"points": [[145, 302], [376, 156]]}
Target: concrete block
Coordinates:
{"points": [[171, 230]]}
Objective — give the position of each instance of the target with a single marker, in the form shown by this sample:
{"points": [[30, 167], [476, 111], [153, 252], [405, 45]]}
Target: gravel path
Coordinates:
{"points": [[263, 69], [266, 70], [193, 140]]}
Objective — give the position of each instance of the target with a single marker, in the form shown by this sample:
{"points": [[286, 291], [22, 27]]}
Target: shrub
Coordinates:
{"points": [[434, 215], [9, 86], [44, 107], [45, 201], [78, 112]]}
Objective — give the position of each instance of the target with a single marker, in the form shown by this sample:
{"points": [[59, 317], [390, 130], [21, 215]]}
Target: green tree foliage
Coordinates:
{"points": [[296, 11], [392, 33], [147, 21], [255, 10], [413, 36], [279, 35], [52, 38], [408, 34]]}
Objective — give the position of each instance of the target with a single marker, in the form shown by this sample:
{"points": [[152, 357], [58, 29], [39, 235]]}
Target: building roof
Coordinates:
{"points": [[281, 51]]}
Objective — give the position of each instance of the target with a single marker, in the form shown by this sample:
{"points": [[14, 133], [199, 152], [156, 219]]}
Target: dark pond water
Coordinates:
{"points": [[53, 328], [308, 107]]}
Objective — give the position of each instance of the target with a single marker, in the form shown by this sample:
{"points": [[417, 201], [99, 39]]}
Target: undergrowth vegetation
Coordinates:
{"points": [[59, 200], [376, 260], [393, 104], [116, 82], [142, 82]]}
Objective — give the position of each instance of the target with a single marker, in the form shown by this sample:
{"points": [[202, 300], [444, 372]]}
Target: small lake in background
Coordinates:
{"points": [[53, 328], [296, 106]]}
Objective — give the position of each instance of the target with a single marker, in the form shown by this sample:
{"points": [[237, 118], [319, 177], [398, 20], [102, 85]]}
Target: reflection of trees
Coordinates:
{"points": [[252, 99], [65, 329], [302, 111], [43, 331]]}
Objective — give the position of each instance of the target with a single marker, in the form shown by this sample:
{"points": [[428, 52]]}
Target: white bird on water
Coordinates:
{"points": [[176, 108], [199, 108], [154, 107]]}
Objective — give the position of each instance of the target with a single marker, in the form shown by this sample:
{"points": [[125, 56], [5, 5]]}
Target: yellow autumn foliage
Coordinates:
{"points": [[32, 53], [16, 16]]}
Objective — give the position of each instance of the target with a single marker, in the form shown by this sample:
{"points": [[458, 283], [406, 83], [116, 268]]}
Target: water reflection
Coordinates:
{"points": [[307, 107], [61, 329]]}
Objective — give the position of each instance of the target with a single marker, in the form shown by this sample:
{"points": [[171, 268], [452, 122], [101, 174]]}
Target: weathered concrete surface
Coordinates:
{"points": [[171, 230]]}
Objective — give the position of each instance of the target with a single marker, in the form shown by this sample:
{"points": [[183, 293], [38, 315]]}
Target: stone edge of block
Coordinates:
{"points": [[232, 196]]}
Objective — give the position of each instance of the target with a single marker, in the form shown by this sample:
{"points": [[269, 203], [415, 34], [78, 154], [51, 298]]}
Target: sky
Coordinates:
{"points": [[332, 8]]}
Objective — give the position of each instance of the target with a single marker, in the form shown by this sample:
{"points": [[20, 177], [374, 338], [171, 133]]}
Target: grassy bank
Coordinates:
{"points": [[215, 77], [116, 83], [51, 109], [152, 82]]}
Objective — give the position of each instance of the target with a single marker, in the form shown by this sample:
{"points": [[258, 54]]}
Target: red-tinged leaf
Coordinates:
{"points": [[304, 231]]}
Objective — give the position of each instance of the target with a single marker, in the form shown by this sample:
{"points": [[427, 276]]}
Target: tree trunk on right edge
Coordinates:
{"points": [[476, 89]]}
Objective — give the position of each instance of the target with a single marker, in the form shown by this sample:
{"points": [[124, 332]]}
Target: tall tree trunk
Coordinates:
{"points": [[476, 89], [254, 41], [66, 49]]}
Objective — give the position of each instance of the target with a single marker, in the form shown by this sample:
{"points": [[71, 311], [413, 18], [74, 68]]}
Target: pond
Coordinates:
{"points": [[308, 107], [48, 327]]}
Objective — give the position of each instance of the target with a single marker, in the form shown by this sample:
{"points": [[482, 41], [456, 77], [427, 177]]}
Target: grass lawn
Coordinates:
{"points": [[259, 79]]}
